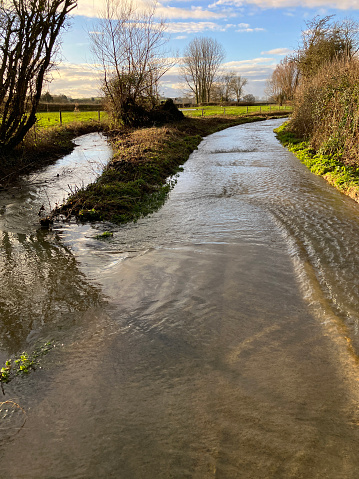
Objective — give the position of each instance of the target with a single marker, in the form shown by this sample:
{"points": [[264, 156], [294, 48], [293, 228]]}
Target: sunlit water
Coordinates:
{"points": [[217, 338]]}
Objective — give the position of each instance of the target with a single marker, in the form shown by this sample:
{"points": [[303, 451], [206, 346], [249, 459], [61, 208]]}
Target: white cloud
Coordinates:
{"points": [[195, 27], [91, 8], [278, 51], [339, 4], [245, 27], [75, 80], [180, 37]]}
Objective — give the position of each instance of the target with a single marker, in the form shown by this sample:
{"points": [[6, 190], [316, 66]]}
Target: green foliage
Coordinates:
{"points": [[344, 177], [23, 364], [327, 111], [104, 235], [51, 119]]}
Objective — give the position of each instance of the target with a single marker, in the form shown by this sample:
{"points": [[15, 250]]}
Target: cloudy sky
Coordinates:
{"points": [[255, 34]]}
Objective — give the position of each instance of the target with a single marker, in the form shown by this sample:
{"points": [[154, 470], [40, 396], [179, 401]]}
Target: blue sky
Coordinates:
{"points": [[255, 34]]}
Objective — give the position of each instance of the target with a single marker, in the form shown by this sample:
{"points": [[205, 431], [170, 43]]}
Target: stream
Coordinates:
{"points": [[215, 338]]}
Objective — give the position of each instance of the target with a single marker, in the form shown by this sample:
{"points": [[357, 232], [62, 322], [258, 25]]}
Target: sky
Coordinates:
{"points": [[255, 34]]}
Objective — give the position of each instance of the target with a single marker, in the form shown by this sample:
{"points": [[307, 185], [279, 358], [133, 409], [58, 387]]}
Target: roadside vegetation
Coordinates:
{"points": [[324, 128]]}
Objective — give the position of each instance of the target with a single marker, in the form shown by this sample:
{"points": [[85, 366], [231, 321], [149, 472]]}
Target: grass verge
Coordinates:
{"points": [[343, 177], [137, 180]]}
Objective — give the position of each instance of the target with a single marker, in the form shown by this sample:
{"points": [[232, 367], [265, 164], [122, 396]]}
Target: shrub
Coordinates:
{"points": [[327, 110]]}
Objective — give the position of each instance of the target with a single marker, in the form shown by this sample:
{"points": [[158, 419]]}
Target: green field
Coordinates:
{"points": [[232, 110], [48, 119]]}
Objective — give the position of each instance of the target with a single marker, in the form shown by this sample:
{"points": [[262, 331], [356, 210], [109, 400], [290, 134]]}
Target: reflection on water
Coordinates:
{"points": [[226, 347], [40, 283]]}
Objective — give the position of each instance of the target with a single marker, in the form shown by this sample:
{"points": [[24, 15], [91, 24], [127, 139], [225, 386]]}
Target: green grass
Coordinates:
{"points": [[51, 119], [232, 110], [343, 177]]}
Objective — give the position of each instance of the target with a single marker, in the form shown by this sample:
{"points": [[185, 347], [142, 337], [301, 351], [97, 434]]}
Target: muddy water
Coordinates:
{"points": [[216, 338]]}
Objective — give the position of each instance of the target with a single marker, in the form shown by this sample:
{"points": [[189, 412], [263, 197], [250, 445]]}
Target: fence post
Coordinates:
{"points": [[224, 111], [60, 118], [202, 111], [99, 115]]}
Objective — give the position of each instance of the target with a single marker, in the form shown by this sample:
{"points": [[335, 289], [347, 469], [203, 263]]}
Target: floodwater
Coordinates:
{"points": [[217, 338]]}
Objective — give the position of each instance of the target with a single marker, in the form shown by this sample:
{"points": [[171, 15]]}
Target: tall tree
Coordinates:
{"points": [[29, 32], [128, 43], [200, 64], [236, 85]]}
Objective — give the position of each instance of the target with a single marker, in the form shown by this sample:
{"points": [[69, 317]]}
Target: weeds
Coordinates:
{"points": [[104, 235], [23, 364]]}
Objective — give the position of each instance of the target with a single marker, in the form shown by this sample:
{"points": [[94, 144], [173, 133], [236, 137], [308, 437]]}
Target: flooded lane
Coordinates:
{"points": [[221, 337]]}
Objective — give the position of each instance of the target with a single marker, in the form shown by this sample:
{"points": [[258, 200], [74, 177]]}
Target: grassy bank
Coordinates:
{"points": [[331, 167], [41, 147], [135, 182]]}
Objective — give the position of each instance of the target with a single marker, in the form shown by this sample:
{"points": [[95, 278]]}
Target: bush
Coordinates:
{"points": [[327, 110]]}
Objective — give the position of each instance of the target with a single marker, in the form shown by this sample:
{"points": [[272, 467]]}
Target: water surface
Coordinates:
{"points": [[215, 338]]}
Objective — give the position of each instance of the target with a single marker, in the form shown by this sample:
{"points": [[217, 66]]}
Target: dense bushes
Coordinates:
{"points": [[327, 110]]}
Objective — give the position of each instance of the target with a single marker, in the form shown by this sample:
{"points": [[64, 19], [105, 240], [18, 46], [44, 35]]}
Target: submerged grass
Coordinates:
{"points": [[23, 364], [141, 173], [331, 167]]}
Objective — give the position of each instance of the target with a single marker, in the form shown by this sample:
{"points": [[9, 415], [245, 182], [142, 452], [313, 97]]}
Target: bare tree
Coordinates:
{"points": [[29, 31], [249, 98], [237, 84], [229, 86], [284, 81], [128, 43], [200, 64]]}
